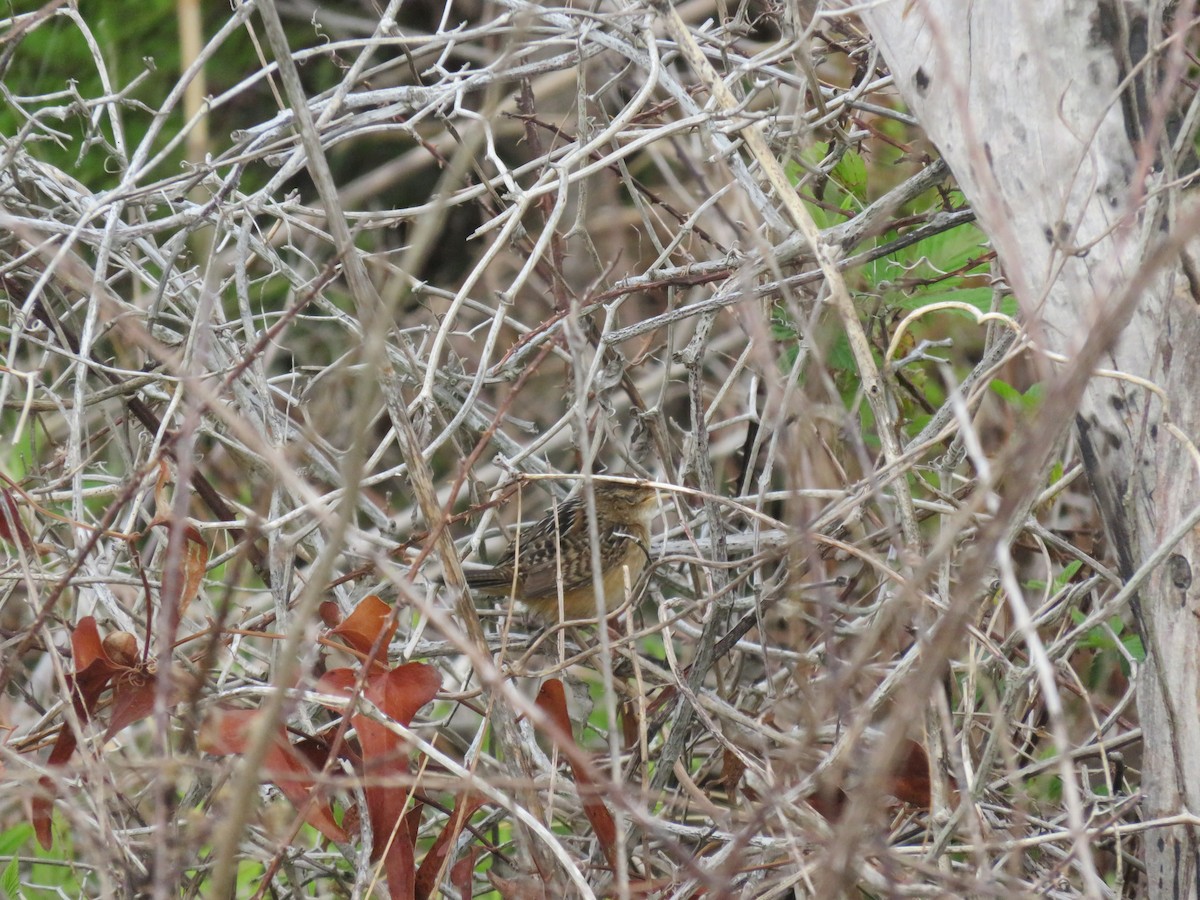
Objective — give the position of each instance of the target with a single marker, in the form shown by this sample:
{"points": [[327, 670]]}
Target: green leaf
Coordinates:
{"points": [[812, 155], [1096, 639], [851, 174], [822, 218], [1005, 391], [1134, 647], [916, 424], [980, 298], [1027, 401], [15, 838], [10, 881], [839, 356], [782, 327], [1033, 397], [1064, 577]]}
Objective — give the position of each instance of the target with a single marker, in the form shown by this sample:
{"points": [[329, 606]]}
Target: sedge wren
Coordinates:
{"points": [[557, 549]]}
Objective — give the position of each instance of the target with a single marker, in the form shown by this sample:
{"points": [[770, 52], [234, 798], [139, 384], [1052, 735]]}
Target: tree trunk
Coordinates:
{"points": [[1056, 135]]}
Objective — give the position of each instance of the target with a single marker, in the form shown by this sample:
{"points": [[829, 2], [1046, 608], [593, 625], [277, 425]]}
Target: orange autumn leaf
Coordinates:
{"points": [[195, 562], [466, 806], [552, 700], [227, 733], [910, 781], [12, 529], [370, 619], [398, 693], [100, 664]]}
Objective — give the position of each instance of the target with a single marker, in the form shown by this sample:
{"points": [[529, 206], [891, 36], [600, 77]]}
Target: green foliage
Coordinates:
{"points": [[1070, 570], [833, 185], [56, 63], [15, 838], [1027, 401], [941, 267], [249, 877], [850, 174], [15, 458], [11, 841], [10, 879], [1052, 789], [1108, 643], [945, 267], [1060, 581], [53, 873]]}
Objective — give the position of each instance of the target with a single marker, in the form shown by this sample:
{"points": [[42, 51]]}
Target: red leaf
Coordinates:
{"points": [[399, 857], [95, 667], [362, 628], [41, 812], [402, 691], [630, 724], [121, 648], [600, 819], [93, 671], [64, 745], [398, 864], [732, 771], [910, 783], [552, 700], [665, 696], [412, 821], [162, 503], [290, 773], [195, 562], [330, 614], [431, 865], [12, 529], [519, 888], [399, 693], [227, 733], [314, 750], [462, 873], [339, 683], [133, 700], [352, 820], [384, 755], [829, 803], [179, 588]]}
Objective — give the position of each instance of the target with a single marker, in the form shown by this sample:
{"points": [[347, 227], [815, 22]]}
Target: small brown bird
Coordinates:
{"points": [[557, 548]]}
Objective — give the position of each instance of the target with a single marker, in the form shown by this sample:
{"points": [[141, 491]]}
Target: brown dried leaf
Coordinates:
{"points": [[363, 627], [399, 693], [12, 529], [552, 700], [435, 859], [910, 783], [227, 733], [195, 562]]}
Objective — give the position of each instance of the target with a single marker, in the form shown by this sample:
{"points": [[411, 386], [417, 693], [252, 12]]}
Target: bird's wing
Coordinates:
{"points": [[540, 546], [494, 580], [536, 572]]}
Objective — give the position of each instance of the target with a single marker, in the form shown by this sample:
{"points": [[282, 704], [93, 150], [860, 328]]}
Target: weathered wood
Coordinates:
{"points": [[1040, 111]]}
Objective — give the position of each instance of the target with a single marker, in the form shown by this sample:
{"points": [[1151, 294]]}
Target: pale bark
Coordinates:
{"points": [[1023, 101]]}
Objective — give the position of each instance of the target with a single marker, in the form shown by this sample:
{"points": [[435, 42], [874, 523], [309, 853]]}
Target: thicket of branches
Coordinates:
{"points": [[282, 339]]}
